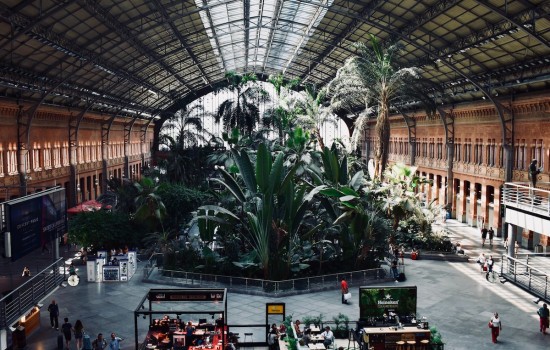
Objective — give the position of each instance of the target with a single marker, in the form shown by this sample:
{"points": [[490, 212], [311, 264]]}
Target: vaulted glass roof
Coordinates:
{"points": [[148, 57]]}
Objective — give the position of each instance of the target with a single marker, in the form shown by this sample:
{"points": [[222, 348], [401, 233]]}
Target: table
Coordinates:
{"points": [[315, 329], [381, 338], [317, 338], [316, 346]]}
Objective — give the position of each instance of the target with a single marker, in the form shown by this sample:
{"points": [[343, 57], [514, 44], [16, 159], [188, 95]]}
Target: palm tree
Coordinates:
{"points": [[241, 111], [375, 67], [150, 208], [348, 93], [186, 126], [282, 117], [312, 115]]}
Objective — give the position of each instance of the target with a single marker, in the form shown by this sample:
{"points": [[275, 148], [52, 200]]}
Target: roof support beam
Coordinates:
{"points": [[448, 121], [275, 20], [337, 40], [246, 19], [517, 23], [183, 42]]}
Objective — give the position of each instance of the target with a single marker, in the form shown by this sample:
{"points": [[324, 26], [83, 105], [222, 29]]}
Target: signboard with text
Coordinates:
{"points": [[36, 221], [380, 301], [186, 295]]}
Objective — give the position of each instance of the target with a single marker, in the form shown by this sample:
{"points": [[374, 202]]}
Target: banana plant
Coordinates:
{"points": [[271, 206]]}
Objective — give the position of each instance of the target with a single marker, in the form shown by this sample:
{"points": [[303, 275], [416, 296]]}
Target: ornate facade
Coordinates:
{"points": [[478, 165], [76, 149]]}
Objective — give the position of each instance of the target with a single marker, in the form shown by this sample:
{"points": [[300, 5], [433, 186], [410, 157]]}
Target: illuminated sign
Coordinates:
{"points": [[186, 295], [276, 309]]}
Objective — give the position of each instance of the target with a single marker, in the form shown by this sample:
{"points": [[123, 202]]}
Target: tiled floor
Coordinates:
{"points": [[455, 297]]}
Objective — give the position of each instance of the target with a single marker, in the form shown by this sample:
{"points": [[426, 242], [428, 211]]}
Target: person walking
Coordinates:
{"points": [[344, 289], [114, 344], [483, 236], [496, 326], [26, 272], [544, 314], [516, 249], [53, 309], [78, 334], [67, 329], [100, 343], [491, 233]]}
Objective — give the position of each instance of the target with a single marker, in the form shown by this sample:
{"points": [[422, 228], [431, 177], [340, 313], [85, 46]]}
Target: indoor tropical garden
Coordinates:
{"points": [[255, 186]]}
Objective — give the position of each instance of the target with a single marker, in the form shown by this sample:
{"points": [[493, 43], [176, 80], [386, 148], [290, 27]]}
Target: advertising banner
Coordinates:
{"points": [[376, 302], [35, 221]]}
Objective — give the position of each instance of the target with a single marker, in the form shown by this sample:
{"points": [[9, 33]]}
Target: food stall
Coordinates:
{"points": [[381, 338], [169, 311], [119, 268]]}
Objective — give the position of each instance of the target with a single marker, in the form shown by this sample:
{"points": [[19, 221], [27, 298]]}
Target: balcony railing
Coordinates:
{"points": [[522, 196], [27, 295], [526, 276]]}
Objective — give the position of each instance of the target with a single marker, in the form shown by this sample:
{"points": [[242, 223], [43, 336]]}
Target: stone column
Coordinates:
{"points": [[461, 208], [472, 215], [485, 206]]}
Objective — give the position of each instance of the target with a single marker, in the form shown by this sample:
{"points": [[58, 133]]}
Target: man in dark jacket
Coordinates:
{"points": [[53, 309]]}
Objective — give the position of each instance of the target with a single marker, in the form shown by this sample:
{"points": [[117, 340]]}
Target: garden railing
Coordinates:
{"points": [[530, 278], [266, 287]]}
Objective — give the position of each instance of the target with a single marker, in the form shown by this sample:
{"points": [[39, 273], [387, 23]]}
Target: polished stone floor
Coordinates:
{"points": [[455, 297]]}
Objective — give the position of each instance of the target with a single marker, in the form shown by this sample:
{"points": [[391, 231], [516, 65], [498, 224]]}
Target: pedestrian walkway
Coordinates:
{"points": [[453, 296]]}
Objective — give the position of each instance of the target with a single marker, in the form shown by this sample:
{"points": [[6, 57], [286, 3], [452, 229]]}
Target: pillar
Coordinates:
{"points": [[461, 207], [527, 239], [497, 214], [512, 237], [471, 217], [545, 243], [485, 206]]}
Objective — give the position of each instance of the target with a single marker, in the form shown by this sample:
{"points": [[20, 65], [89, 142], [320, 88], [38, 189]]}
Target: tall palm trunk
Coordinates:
{"points": [[382, 130]]}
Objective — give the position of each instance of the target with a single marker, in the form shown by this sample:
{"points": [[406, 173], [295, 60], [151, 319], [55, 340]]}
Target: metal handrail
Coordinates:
{"points": [[530, 278], [271, 286], [521, 195], [27, 295]]}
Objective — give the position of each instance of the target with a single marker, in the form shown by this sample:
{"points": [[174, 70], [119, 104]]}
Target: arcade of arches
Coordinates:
{"points": [[113, 146]]}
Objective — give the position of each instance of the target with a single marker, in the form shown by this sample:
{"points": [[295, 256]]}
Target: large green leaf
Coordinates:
{"points": [[263, 167], [232, 185], [343, 171], [332, 192], [358, 180], [246, 169]]}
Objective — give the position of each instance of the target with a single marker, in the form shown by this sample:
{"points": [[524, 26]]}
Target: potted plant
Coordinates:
{"points": [[341, 328], [435, 339]]}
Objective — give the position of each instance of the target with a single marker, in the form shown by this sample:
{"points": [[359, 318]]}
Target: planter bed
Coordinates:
{"points": [[441, 256]]}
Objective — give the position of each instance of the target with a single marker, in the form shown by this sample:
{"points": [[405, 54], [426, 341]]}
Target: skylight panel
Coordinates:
{"points": [[277, 30]]}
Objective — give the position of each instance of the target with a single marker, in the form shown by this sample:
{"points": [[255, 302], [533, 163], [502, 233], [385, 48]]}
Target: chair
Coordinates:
{"points": [[411, 344], [249, 335], [400, 345], [424, 344]]}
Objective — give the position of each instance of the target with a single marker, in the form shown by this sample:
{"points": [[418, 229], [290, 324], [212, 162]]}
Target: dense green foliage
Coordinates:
{"points": [[102, 229]]}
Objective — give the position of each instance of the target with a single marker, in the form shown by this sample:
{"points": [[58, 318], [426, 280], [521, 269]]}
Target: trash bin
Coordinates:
{"points": [[538, 248], [19, 338]]}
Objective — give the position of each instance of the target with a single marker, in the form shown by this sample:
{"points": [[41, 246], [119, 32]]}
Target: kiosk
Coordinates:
{"points": [[100, 269], [169, 311]]}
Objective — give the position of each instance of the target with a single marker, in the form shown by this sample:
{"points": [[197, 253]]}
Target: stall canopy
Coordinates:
{"points": [[183, 304], [87, 207]]}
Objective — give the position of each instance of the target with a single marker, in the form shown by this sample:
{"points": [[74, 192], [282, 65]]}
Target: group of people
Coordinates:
{"points": [[486, 264], [484, 233], [68, 330], [305, 336]]}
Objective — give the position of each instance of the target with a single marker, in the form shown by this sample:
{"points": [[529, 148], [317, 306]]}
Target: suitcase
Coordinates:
{"points": [[86, 342], [60, 342]]}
